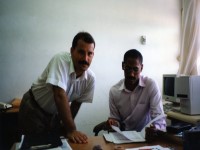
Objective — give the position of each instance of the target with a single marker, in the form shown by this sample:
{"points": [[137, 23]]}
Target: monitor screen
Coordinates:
{"points": [[169, 88]]}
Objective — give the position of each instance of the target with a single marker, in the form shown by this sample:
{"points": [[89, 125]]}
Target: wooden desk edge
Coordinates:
{"points": [[99, 140], [15, 106]]}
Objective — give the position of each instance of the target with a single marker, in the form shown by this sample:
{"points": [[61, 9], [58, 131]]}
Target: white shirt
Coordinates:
{"points": [[136, 108], [60, 72]]}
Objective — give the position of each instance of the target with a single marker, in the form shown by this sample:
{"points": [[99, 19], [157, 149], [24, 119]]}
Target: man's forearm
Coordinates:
{"points": [[75, 106], [63, 108]]}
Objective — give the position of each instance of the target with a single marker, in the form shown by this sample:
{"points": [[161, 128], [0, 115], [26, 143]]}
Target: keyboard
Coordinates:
{"points": [[170, 107]]}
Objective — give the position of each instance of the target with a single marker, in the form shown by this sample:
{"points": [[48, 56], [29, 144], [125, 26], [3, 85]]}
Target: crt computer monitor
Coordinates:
{"points": [[169, 88]]}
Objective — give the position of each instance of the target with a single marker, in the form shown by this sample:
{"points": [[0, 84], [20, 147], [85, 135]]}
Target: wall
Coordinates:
{"points": [[31, 32]]}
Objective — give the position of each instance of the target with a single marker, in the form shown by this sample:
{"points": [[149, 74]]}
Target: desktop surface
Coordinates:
{"points": [[99, 140], [169, 106], [192, 119], [164, 141]]}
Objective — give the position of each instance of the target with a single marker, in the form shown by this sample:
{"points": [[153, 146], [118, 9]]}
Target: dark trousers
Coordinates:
{"points": [[33, 119]]}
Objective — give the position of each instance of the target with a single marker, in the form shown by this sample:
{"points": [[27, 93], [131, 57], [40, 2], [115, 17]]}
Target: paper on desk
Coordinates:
{"points": [[156, 147], [130, 135], [65, 146], [120, 137], [143, 132]]}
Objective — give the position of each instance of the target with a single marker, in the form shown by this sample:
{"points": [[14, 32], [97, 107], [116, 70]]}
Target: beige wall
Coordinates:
{"points": [[32, 31]]}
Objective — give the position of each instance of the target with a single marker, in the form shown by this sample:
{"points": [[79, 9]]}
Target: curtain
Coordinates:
{"points": [[190, 39]]}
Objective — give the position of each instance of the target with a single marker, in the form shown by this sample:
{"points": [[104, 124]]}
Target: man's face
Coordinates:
{"points": [[132, 69], [82, 56]]}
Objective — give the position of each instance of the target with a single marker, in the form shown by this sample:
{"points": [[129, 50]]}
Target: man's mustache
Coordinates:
{"points": [[83, 63], [131, 78]]}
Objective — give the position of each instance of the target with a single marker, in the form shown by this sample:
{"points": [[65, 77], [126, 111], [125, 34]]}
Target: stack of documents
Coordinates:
{"points": [[156, 147], [120, 137]]}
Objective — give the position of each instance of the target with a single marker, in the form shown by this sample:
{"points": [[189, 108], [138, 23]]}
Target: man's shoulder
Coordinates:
{"points": [[90, 73], [62, 55], [61, 58], [117, 85], [147, 80]]}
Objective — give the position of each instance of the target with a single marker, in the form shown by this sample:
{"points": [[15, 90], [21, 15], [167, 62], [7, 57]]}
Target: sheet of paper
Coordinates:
{"points": [[123, 136], [131, 135], [120, 137], [65, 145], [108, 137], [156, 147], [143, 132]]}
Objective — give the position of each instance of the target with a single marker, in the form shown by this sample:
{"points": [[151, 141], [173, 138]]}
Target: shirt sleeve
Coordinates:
{"points": [[57, 72], [156, 107], [114, 113]]}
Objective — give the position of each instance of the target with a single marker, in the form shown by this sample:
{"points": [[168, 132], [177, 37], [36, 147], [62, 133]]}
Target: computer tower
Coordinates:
{"points": [[188, 90]]}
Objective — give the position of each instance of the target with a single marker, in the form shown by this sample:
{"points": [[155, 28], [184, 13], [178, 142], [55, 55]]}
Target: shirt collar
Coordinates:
{"points": [[141, 83], [71, 67], [73, 73]]}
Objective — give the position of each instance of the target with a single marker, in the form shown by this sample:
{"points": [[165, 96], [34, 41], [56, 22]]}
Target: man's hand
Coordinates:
{"points": [[113, 122], [77, 137], [110, 122], [151, 133]]}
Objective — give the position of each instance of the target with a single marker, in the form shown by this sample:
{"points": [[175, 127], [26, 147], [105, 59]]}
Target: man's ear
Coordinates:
{"points": [[71, 50], [123, 65], [141, 67]]}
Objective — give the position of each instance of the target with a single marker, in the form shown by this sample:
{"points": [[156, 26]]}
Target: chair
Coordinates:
{"points": [[104, 126], [101, 126]]}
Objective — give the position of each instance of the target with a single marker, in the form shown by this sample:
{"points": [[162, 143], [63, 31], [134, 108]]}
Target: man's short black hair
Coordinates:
{"points": [[133, 53], [85, 36]]}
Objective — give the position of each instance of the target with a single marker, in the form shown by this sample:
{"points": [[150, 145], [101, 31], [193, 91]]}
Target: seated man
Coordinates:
{"points": [[135, 100]]}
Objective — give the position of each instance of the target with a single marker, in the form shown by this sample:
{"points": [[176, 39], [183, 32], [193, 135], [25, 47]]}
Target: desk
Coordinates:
{"points": [[9, 126], [164, 140], [99, 140], [176, 116]]}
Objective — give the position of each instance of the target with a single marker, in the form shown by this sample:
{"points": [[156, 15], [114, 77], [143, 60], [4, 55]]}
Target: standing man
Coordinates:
{"points": [[55, 98], [135, 100]]}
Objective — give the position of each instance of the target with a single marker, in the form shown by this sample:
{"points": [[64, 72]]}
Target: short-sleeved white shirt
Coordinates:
{"points": [[60, 72]]}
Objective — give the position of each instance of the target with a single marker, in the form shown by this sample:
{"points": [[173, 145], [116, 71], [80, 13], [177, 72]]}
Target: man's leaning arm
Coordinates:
{"points": [[64, 111], [63, 108], [75, 106]]}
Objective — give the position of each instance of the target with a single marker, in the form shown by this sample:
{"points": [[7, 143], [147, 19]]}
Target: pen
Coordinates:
{"points": [[40, 146]]}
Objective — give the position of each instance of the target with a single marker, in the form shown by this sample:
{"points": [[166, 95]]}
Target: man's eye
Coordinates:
{"points": [[90, 54], [135, 69], [128, 68], [81, 52]]}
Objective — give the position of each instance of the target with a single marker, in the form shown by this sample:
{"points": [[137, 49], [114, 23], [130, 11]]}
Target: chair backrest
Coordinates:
{"points": [[99, 127]]}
